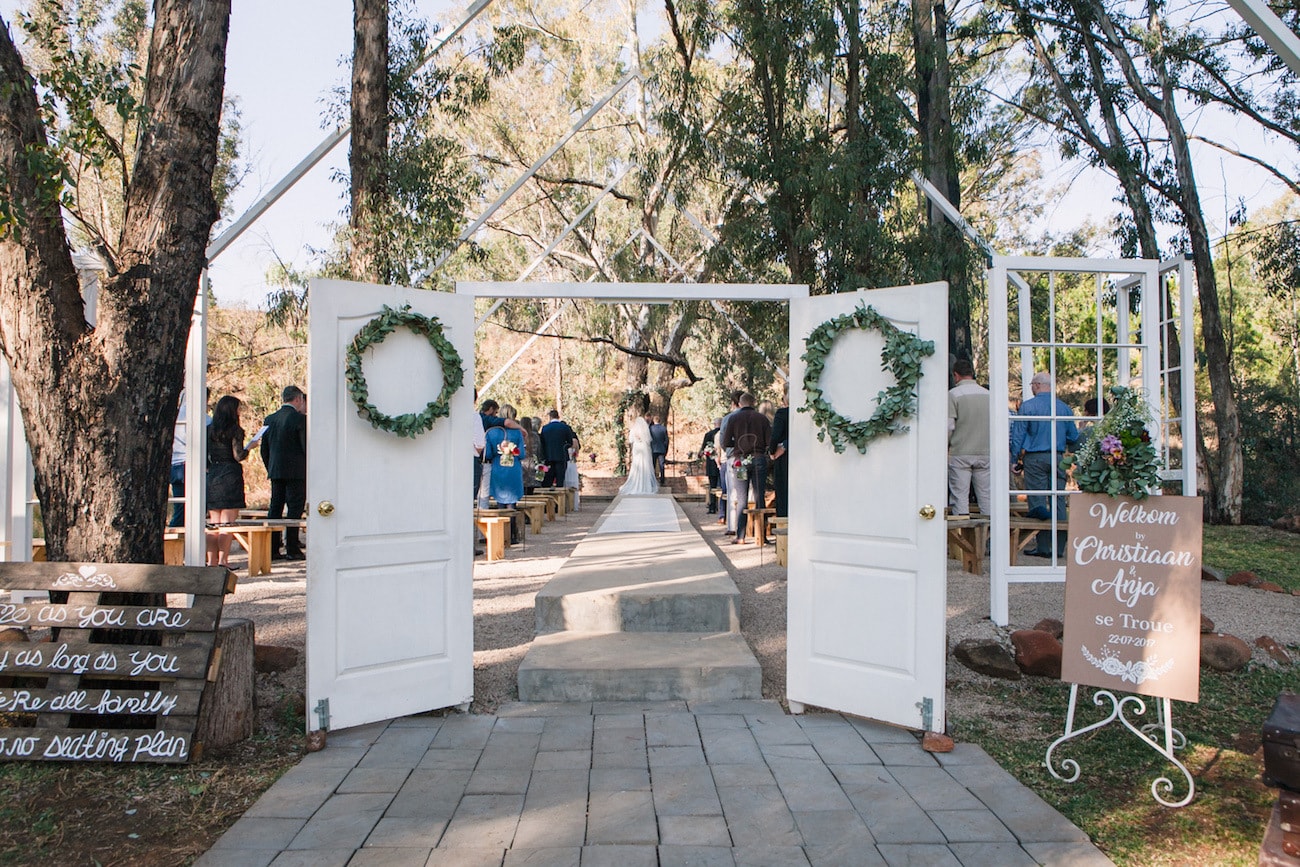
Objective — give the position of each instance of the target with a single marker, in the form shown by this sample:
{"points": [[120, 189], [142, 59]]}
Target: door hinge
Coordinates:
{"points": [[323, 713], [926, 706]]}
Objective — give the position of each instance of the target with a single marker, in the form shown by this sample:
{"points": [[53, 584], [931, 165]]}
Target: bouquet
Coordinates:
{"points": [[742, 466], [1118, 457], [541, 471], [707, 453], [507, 452]]}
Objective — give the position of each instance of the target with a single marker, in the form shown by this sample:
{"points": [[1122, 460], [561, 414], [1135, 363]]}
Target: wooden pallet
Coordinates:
{"points": [[113, 672]]}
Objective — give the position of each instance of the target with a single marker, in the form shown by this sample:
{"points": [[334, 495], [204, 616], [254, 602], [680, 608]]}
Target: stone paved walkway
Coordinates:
{"points": [[626, 784]]}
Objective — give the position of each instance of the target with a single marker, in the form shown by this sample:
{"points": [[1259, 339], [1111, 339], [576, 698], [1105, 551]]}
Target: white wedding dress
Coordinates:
{"points": [[641, 478]]}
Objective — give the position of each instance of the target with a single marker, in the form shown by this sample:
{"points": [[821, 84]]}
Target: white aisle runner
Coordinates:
{"points": [[640, 514]]}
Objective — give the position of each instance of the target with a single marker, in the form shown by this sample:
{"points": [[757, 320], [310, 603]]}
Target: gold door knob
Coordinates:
{"points": [[927, 511], [326, 508]]}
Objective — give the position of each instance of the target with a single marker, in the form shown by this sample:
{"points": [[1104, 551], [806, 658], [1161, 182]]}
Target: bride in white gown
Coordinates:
{"points": [[641, 474]]}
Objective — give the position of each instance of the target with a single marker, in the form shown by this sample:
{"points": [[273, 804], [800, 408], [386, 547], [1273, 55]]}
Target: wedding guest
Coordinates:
{"points": [[284, 452], [225, 476]]}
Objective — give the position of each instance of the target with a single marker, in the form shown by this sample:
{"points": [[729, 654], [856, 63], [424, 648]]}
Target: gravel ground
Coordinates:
{"points": [[503, 608]]}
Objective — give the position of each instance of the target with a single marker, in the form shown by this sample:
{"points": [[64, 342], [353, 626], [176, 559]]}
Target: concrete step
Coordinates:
{"points": [[639, 666], [640, 582]]}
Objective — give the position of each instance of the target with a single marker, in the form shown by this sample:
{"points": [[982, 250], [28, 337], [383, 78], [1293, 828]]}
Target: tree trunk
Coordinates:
{"points": [[938, 153], [367, 160], [99, 404]]}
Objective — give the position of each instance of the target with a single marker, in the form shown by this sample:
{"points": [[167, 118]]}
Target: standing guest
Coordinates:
{"points": [[659, 446], [726, 468], [177, 478], [1040, 433], [504, 449], [557, 438], [709, 449], [532, 454], [284, 452], [968, 442], [479, 443], [747, 435], [781, 463], [225, 476], [768, 410]]}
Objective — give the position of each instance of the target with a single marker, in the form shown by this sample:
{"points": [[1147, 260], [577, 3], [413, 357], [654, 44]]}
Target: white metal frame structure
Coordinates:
{"points": [[1132, 331]]}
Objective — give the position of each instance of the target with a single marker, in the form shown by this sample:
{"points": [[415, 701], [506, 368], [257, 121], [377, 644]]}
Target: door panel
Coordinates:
{"points": [[867, 573], [389, 571]]}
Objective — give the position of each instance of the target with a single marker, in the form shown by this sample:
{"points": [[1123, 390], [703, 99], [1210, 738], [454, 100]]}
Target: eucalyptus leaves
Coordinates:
{"points": [[902, 356], [373, 332]]}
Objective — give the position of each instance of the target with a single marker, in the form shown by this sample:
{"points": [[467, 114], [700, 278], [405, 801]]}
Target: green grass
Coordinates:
{"points": [[1111, 801], [1273, 555]]}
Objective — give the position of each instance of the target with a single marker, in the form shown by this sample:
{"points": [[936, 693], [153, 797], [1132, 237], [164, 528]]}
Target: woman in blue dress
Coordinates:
{"points": [[504, 450]]}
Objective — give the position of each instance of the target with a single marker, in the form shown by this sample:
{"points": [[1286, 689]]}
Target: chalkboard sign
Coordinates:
{"points": [[103, 678]]}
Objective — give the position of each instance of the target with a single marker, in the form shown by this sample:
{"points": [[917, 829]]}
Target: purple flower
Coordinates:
{"points": [[1110, 444]]}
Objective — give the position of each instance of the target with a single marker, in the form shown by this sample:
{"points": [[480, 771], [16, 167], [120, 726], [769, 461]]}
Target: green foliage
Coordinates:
{"points": [[902, 356], [373, 332], [1118, 457]]}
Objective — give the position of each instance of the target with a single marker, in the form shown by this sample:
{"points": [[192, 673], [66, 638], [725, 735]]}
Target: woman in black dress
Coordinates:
{"points": [[225, 475]]}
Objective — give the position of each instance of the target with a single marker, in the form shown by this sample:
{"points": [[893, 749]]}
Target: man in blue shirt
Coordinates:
{"points": [[1040, 433]]}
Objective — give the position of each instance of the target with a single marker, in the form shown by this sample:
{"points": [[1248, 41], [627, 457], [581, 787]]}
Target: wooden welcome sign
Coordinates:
{"points": [[1133, 595], [101, 680]]}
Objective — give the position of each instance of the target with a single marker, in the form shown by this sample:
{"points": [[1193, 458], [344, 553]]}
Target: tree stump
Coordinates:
{"points": [[228, 711]]}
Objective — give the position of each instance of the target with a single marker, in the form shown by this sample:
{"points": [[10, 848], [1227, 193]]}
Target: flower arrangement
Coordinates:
{"points": [[541, 471], [507, 452], [707, 453], [1118, 457], [742, 466]]}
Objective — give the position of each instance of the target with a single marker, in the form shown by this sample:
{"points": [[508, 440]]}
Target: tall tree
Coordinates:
{"points": [[368, 158], [99, 401]]}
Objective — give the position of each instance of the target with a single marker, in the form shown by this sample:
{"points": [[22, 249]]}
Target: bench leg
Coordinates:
{"points": [[495, 532], [259, 554]]}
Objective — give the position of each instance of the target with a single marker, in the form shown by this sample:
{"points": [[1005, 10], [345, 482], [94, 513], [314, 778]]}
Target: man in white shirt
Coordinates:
{"points": [[968, 441]]}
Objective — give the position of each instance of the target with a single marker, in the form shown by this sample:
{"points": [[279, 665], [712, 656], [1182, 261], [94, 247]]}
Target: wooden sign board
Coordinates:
{"points": [[1133, 595], [104, 677]]}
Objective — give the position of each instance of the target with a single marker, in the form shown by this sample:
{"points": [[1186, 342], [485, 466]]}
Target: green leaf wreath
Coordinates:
{"points": [[410, 424], [902, 356], [1118, 457]]}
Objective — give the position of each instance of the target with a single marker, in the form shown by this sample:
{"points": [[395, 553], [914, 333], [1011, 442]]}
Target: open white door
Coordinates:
{"points": [[867, 568], [390, 568]]}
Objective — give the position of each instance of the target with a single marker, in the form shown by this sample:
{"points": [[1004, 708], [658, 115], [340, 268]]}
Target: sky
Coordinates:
{"points": [[285, 56]]}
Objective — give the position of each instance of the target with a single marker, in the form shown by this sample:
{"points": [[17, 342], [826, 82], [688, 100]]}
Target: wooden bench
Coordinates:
{"points": [[555, 495], [756, 523], [534, 511], [549, 509], [1023, 532], [254, 535], [781, 535], [496, 529], [967, 540], [517, 518]]}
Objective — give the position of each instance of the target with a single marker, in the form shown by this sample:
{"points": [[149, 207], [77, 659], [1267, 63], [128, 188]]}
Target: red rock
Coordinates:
{"points": [[13, 636], [1224, 652], [316, 741], [1270, 646], [1243, 578], [1207, 625], [1052, 626], [269, 658], [1037, 652], [1270, 587], [934, 742], [986, 656]]}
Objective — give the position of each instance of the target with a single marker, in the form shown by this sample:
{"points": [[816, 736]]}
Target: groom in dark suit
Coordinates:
{"points": [[284, 451]]}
